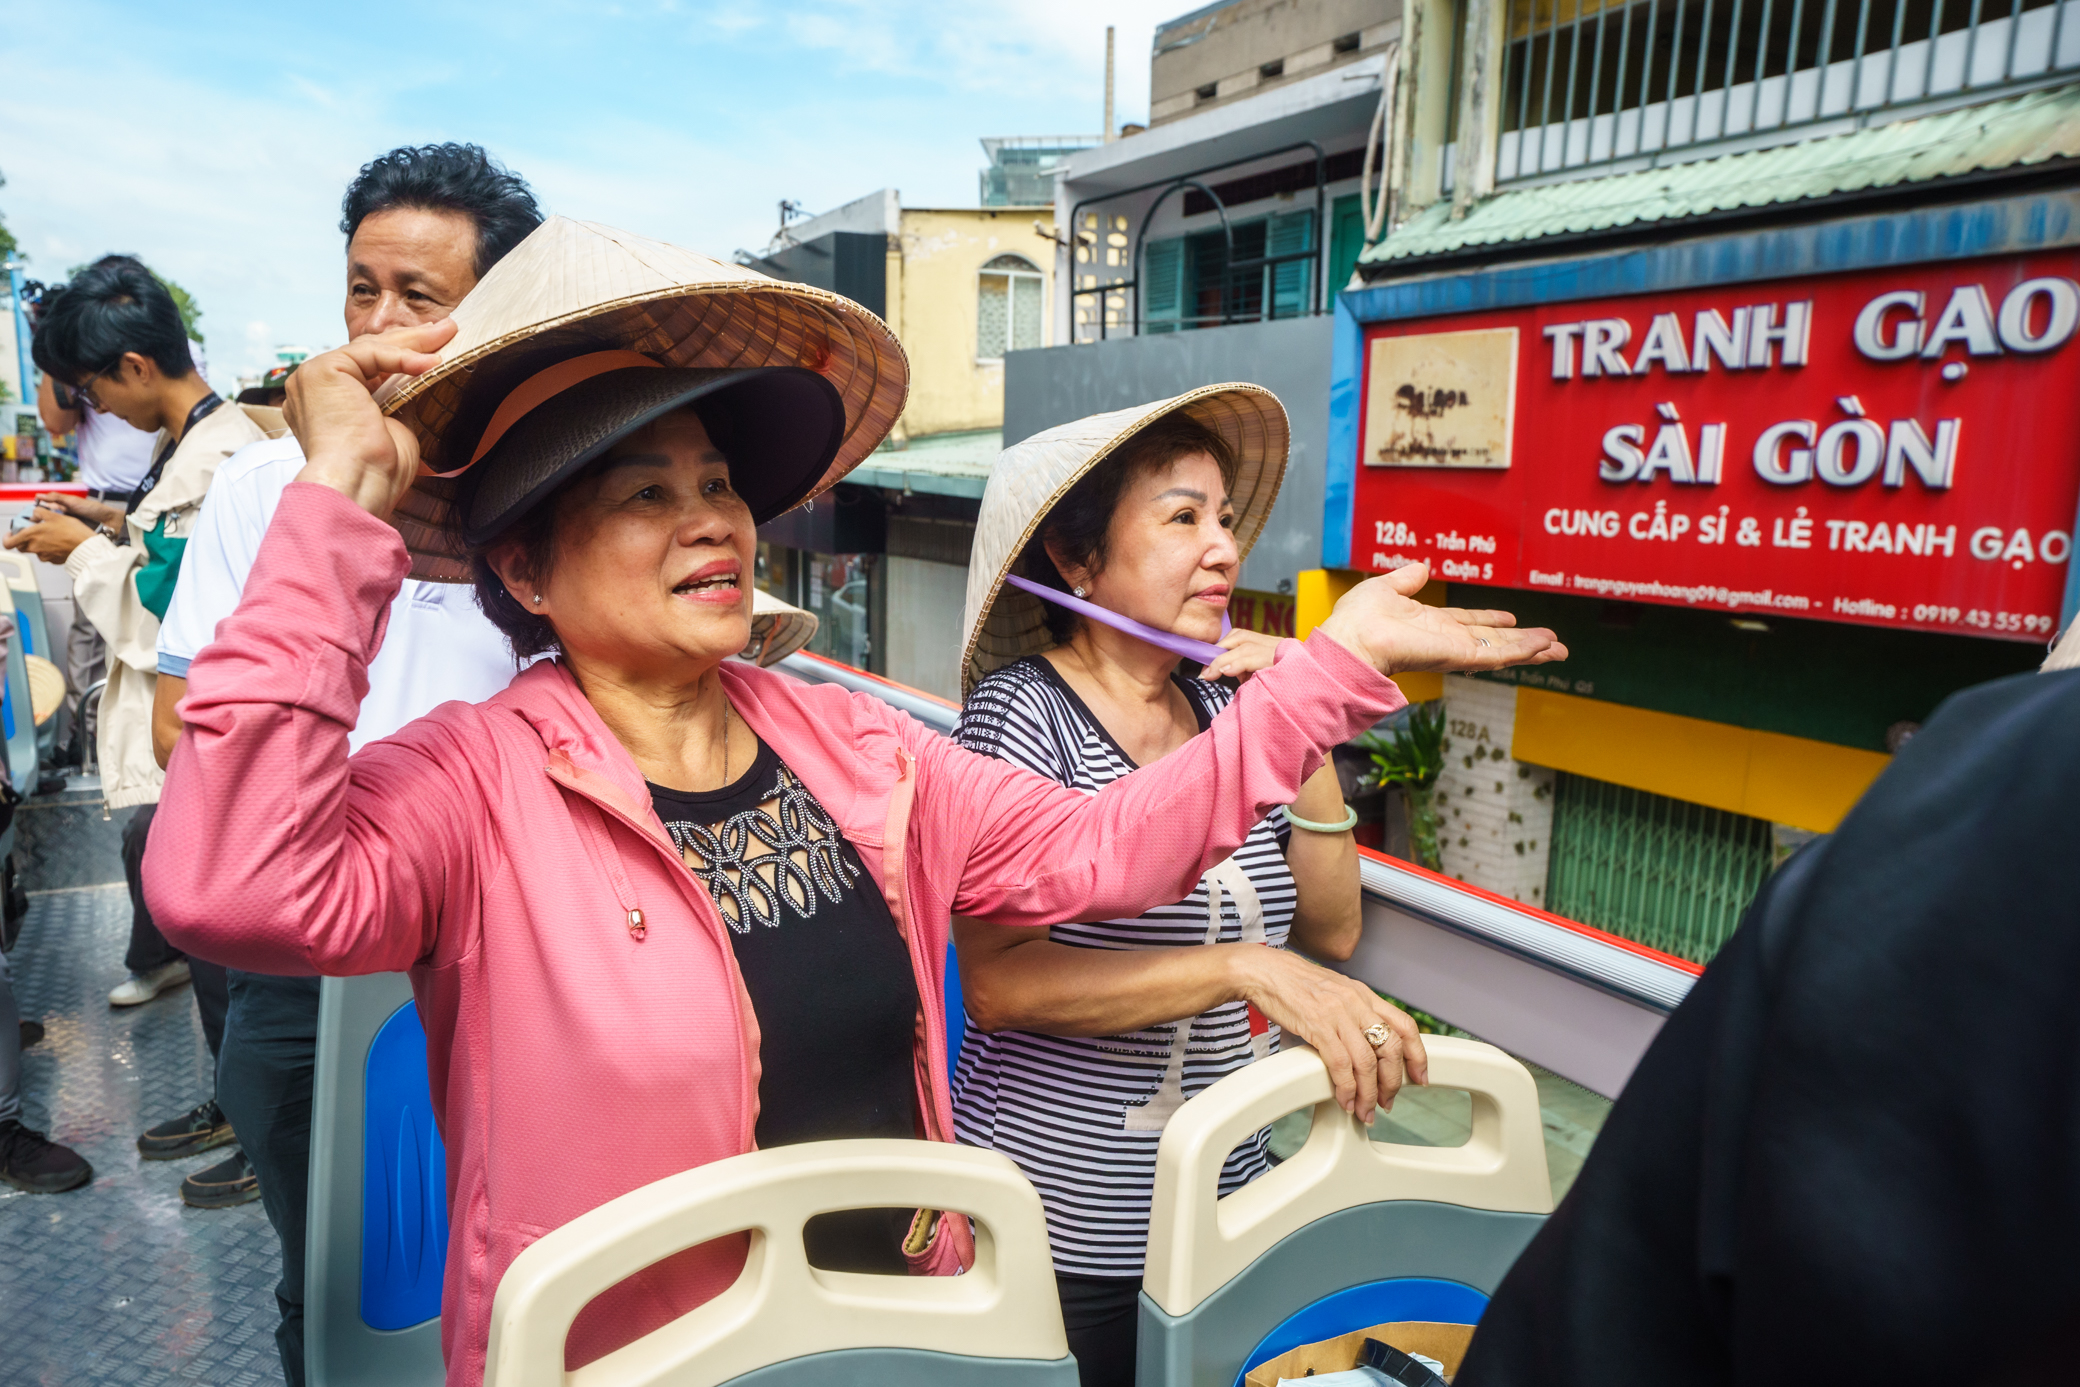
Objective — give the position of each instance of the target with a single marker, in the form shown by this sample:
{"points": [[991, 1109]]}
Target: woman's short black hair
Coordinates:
{"points": [[1081, 521], [527, 632], [446, 178], [112, 307]]}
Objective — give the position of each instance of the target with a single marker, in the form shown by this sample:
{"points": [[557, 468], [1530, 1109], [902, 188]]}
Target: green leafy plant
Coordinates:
{"points": [[9, 247], [1408, 759]]}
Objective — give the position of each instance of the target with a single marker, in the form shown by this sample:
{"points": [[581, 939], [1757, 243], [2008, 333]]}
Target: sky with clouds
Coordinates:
{"points": [[215, 140]]}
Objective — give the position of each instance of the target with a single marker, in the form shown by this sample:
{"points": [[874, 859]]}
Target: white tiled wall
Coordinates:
{"points": [[1495, 814]]}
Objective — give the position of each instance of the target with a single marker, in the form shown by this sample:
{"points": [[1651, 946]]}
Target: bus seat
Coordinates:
{"points": [[378, 1218], [1346, 1234], [17, 723], [19, 569], [784, 1323], [956, 1012]]}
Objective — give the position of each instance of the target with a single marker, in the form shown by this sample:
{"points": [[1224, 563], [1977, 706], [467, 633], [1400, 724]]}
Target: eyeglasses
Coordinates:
{"points": [[84, 387]]}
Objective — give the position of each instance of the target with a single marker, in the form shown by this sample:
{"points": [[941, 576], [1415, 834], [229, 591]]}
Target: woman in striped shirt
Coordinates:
{"points": [[1081, 1042]]}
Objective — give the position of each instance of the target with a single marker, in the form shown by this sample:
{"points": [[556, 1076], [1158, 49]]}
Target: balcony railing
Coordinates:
{"points": [[1108, 280], [1601, 84]]}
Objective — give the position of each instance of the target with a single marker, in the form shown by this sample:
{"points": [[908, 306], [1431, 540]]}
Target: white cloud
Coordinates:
{"points": [[218, 149]]}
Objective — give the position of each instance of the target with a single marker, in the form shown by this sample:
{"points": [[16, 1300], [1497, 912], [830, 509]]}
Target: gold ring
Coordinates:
{"points": [[1378, 1034]]}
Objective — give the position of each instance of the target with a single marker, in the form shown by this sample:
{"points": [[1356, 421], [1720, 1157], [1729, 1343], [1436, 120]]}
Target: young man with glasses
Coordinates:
{"points": [[113, 458], [114, 337]]}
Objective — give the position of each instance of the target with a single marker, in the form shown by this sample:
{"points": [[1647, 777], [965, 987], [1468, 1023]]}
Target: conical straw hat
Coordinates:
{"points": [[574, 287], [1031, 478], [777, 629], [46, 687]]}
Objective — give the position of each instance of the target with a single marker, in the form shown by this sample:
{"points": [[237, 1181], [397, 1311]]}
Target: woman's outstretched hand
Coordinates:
{"points": [[1380, 621], [348, 444]]}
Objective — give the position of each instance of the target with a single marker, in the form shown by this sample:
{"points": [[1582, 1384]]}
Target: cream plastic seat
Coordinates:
{"points": [[19, 571], [1344, 1212], [787, 1324]]}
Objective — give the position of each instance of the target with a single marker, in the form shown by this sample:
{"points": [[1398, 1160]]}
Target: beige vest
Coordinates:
{"points": [[104, 584]]}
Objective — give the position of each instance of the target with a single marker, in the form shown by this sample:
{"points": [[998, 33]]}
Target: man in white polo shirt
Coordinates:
{"points": [[423, 225]]}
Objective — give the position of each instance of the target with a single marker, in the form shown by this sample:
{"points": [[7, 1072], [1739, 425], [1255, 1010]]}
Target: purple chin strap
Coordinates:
{"points": [[1175, 644]]}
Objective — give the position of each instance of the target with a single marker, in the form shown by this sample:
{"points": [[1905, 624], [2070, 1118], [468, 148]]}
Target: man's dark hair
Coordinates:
{"points": [[1081, 522], [112, 307], [446, 178]]}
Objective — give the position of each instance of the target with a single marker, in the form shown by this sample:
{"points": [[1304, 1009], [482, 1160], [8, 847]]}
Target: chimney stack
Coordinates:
{"points": [[1111, 134]]}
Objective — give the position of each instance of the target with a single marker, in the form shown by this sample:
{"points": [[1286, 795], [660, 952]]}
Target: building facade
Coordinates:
{"points": [[883, 560], [1732, 342]]}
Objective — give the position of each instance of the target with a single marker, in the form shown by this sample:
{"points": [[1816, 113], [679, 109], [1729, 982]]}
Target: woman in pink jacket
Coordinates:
{"points": [[659, 907]]}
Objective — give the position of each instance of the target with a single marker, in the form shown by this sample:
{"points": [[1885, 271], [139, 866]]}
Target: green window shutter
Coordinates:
{"points": [[1162, 284], [1662, 872], [1346, 240], [1290, 286]]}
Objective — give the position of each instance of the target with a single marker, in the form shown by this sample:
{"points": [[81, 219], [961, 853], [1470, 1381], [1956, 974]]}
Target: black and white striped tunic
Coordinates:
{"points": [[1082, 1116]]}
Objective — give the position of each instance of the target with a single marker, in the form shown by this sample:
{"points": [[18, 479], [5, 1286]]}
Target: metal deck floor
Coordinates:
{"points": [[120, 1282]]}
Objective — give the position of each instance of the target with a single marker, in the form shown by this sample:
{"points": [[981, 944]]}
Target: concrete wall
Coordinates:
{"points": [[1289, 357], [1227, 46], [1495, 813], [923, 640], [932, 296]]}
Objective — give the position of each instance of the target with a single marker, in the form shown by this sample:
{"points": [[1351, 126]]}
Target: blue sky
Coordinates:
{"points": [[215, 140]]}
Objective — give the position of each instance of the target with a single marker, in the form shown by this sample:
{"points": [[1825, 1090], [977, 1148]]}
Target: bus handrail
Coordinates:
{"points": [[1637, 974]]}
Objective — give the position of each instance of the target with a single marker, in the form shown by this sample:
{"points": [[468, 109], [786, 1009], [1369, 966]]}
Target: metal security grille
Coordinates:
{"points": [[1602, 83], [1658, 871]]}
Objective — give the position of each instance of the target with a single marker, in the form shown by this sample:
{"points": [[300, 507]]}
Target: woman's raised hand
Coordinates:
{"points": [[348, 444], [1380, 621], [1247, 652], [1332, 1013]]}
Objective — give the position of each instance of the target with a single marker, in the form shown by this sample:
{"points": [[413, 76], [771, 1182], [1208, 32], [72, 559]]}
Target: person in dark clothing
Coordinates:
{"points": [[264, 1082], [1853, 1154], [203, 1127]]}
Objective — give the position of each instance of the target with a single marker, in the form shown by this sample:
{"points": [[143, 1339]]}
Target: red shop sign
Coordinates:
{"points": [[1894, 447]]}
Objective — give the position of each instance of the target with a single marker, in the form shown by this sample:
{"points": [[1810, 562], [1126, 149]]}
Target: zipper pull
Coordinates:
{"points": [[637, 930]]}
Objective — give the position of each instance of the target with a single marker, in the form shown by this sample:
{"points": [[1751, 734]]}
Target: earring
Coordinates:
{"points": [[1078, 592], [538, 599]]}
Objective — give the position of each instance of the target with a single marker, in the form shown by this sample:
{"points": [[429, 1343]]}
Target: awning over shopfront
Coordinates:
{"points": [[2031, 129], [946, 464]]}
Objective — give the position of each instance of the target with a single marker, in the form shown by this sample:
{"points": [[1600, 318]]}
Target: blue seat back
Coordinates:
{"points": [[1391, 1301], [404, 1194], [378, 1221], [17, 720], [1346, 1234], [956, 1012]]}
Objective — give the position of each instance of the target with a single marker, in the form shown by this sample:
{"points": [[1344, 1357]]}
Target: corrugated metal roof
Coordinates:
{"points": [[2021, 130]]}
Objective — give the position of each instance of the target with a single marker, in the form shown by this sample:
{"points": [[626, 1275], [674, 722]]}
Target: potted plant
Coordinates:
{"points": [[1406, 760]]}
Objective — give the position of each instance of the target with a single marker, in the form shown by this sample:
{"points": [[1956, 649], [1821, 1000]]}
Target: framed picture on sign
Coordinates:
{"points": [[1441, 399]]}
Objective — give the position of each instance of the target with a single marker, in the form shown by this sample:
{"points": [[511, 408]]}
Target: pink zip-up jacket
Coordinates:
{"points": [[587, 1029]]}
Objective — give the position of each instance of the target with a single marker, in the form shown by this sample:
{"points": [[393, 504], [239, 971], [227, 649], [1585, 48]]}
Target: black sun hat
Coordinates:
{"points": [[779, 427]]}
